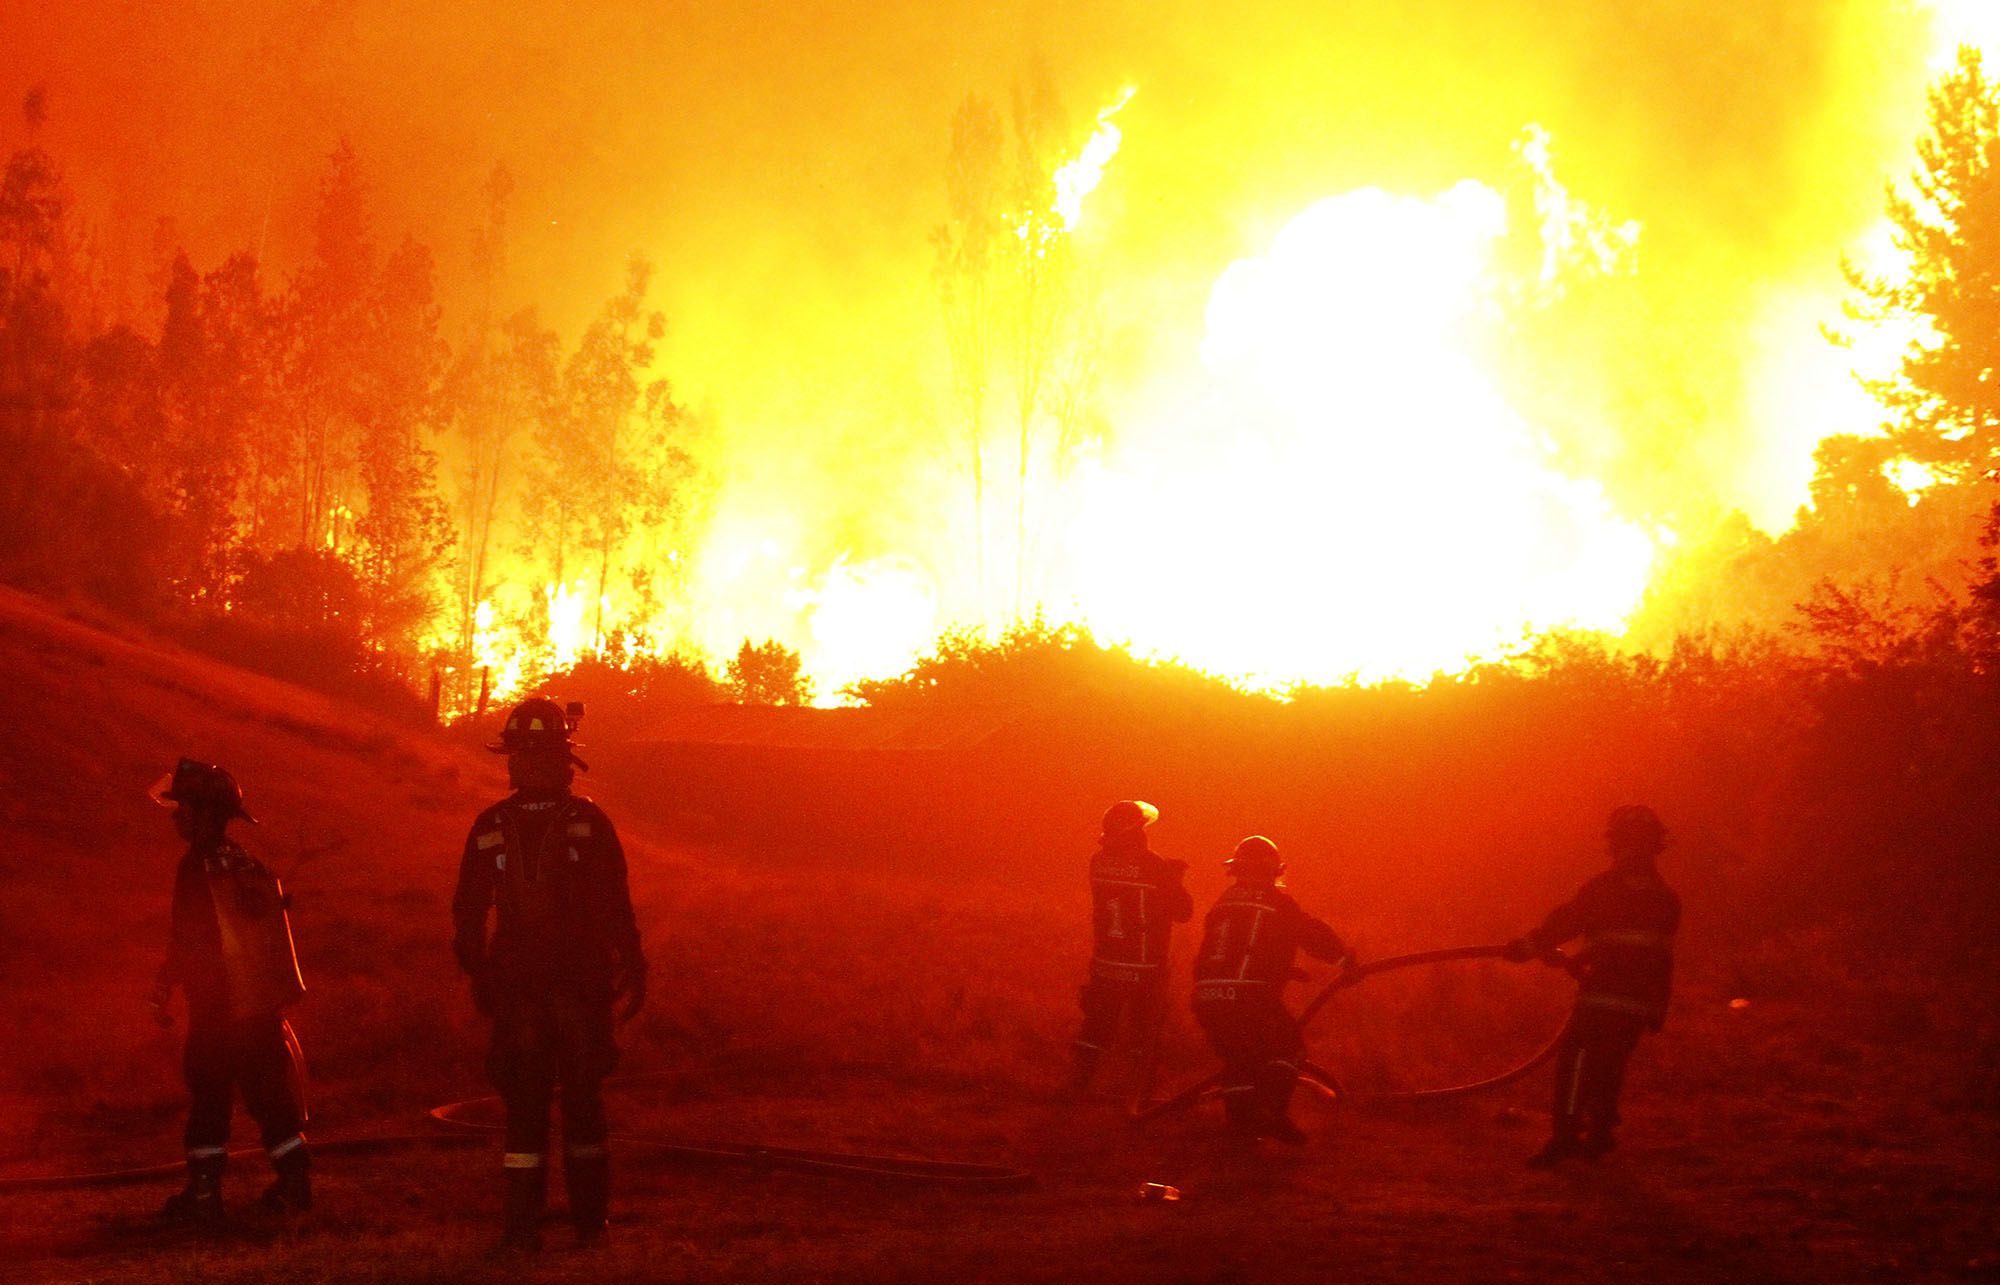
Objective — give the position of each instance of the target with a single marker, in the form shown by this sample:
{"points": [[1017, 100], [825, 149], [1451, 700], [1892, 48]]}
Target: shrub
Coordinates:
{"points": [[768, 674]]}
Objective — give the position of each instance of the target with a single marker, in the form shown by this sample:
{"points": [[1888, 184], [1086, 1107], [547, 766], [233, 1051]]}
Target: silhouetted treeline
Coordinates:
{"points": [[303, 473]]}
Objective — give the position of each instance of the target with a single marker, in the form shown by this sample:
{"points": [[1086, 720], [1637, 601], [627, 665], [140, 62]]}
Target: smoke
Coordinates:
{"points": [[782, 164]]}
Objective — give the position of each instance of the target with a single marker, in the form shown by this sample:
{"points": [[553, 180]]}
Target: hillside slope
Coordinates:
{"points": [[1839, 1126]]}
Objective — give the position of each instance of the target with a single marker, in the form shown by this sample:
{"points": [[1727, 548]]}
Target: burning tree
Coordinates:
{"points": [[768, 673], [611, 457], [1944, 398], [1012, 289], [967, 247]]}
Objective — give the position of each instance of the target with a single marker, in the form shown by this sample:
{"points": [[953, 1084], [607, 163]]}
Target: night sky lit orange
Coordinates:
{"points": [[1582, 257]]}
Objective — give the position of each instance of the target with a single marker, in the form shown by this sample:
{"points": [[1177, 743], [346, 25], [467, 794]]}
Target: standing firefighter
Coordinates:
{"points": [[563, 954], [1627, 917], [1136, 899], [1248, 943], [230, 953]]}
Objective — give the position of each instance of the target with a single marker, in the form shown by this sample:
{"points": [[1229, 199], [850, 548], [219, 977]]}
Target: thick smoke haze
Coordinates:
{"points": [[782, 164]]}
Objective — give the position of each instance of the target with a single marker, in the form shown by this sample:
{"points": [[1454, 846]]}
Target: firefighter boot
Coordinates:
{"points": [[1561, 1146], [291, 1191], [588, 1178], [1274, 1106], [1084, 1069], [201, 1200], [1239, 1110], [527, 1192]]}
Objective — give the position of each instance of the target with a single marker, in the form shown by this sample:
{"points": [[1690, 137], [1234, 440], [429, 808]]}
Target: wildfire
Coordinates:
{"points": [[1963, 22], [866, 621], [1080, 177], [568, 638], [1342, 489], [1352, 495]]}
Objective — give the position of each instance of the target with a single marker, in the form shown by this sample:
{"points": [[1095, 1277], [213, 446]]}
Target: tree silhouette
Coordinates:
{"points": [[327, 332], [1012, 295], [767, 673], [968, 246], [610, 457], [1945, 395]]}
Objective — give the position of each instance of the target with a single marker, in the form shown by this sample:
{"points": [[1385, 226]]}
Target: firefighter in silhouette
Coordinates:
{"points": [[1627, 917], [560, 971], [1249, 941], [230, 954], [1136, 899]]}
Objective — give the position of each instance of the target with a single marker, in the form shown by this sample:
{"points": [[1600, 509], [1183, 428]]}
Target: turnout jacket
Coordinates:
{"points": [[551, 869], [1627, 917], [229, 948], [1136, 899], [1249, 940]]}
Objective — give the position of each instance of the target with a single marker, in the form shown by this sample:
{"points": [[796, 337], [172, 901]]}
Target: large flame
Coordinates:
{"points": [[1341, 489], [1079, 178], [1352, 495], [1963, 22]]}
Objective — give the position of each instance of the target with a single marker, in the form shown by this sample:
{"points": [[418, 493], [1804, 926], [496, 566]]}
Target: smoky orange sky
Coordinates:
{"points": [[782, 164]]}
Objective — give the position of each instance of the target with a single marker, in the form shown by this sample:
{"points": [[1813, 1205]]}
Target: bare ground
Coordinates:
{"points": [[1840, 1126]]}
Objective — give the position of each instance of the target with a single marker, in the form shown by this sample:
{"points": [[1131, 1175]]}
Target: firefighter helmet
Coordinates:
{"points": [[1635, 827], [202, 787], [1255, 858], [1129, 816], [537, 723]]}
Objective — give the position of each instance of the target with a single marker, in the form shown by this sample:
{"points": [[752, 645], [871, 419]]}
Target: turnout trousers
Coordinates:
{"points": [[253, 1057], [1114, 997], [1260, 1047], [545, 1038], [1590, 1072]]}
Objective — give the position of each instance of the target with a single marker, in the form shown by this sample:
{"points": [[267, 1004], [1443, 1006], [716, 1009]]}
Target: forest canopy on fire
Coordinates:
{"points": [[332, 467]]}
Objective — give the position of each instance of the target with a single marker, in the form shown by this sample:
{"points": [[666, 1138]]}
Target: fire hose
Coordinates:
{"points": [[459, 1132], [885, 1169], [1325, 1082]]}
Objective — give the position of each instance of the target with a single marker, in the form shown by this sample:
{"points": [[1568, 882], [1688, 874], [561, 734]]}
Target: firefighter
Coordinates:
{"points": [[1136, 899], [1249, 941], [1627, 917], [230, 953], [560, 971]]}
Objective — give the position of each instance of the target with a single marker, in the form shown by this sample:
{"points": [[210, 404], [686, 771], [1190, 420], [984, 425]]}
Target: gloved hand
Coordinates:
{"points": [[156, 1004], [629, 987], [1518, 951]]}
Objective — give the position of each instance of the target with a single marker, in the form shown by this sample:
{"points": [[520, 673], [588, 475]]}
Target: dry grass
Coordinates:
{"points": [[1839, 1127]]}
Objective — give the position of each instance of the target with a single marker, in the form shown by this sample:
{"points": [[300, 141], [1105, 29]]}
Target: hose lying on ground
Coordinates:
{"points": [[462, 1132], [1194, 1093], [457, 1131], [885, 1169], [146, 1173]]}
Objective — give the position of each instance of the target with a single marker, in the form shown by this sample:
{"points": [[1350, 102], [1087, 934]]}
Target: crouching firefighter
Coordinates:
{"points": [[230, 953], [1627, 917], [1249, 941], [1136, 899], [563, 955]]}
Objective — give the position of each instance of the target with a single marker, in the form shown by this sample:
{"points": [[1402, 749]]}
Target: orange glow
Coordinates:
{"points": [[1327, 381], [1352, 495], [1077, 179]]}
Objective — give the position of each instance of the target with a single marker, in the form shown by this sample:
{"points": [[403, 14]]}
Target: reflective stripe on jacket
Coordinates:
{"points": [[1250, 939], [1136, 899]]}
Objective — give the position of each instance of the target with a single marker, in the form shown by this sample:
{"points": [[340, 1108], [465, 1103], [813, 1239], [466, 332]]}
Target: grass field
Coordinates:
{"points": [[1841, 1125]]}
